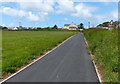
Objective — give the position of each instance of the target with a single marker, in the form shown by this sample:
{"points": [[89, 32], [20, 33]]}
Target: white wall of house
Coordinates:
{"points": [[66, 27], [15, 28], [71, 27]]}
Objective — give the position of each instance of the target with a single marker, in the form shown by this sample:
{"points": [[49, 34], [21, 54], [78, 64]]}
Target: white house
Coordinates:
{"points": [[15, 28], [71, 26]]}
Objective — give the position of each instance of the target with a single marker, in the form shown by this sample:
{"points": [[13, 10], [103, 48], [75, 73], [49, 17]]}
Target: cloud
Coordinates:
{"points": [[32, 17], [80, 10], [114, 14], [37, 5], [20, 13], [83, 11], [66, 19], [61, 0], [12, 12], [10, 25], [3, 25], [39, 10], [34, 10], [66, 6], [96, 19]]}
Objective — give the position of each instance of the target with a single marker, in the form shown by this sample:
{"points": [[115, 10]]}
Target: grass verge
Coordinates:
{"points": [[103, 45]]}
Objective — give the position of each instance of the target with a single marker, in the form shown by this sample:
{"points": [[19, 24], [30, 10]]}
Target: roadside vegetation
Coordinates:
{"points": [[103, 45], [0, 53], [21, 47]]}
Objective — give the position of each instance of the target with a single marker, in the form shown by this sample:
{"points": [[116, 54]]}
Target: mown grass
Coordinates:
{"points": [[20, 47], [103, 45]]}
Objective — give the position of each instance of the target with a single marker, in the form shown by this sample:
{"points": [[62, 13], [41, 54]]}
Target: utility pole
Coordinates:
{"points": [[88, 24], [19, 24]]}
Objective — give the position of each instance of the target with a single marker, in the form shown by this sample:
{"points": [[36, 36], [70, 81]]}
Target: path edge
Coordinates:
{"points": [[96, 69]]}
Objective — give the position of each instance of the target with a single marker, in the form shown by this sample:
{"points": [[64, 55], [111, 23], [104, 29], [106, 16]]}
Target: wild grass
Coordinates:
{"points": [[0, 53], [103, 44], [20, 47]]}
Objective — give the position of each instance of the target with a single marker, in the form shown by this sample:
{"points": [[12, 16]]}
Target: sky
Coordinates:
{"points": [[47, 13]]}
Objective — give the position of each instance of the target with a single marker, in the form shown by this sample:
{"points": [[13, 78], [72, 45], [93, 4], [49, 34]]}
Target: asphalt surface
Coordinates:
{"points": [[70, 62]]}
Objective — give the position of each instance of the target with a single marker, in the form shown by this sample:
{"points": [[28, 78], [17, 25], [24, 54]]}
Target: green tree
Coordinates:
{"points": [[105, 24], [81, 26], [55, 27], [100, 25], [1, 27], [4, 28]]}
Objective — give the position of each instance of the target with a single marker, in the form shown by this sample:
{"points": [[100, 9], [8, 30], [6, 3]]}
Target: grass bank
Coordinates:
{"points": [[103, 45], [0, 53], [20, 47]]}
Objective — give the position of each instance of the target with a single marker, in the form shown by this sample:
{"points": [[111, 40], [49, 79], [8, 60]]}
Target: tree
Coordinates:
{"points": [[100, 25], [48, 27], [4, 28], [105, 24], [1, 27], [55, 27], [81, 26]]}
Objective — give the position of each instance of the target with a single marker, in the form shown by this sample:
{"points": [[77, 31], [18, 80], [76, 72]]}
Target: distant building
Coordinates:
{"points": [[18, 28], [66, 26], [110, 24], [71, 26], [105, 27], [15, 28]]}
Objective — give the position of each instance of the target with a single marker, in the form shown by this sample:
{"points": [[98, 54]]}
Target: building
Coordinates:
{"points": [[15, 28], [71, 26], [66, 26]]}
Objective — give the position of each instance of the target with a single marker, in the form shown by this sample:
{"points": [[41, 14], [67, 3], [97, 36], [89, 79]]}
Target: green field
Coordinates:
{"points": [[103, 45], [20, 47]]}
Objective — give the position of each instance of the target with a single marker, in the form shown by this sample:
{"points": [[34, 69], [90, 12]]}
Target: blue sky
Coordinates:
{"points": [[49, 13]]}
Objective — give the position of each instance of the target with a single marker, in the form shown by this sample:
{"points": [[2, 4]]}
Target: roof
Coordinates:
{"points": [[73, 27], [66, 24]]}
